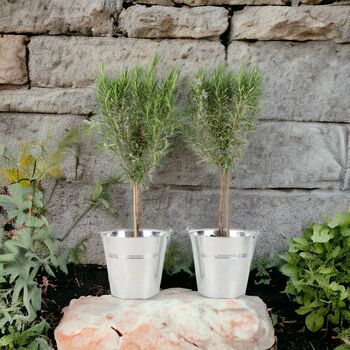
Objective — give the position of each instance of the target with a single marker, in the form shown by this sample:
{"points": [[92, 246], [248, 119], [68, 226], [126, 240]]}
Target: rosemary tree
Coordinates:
{"points": [[136, 122], [223, 109]]}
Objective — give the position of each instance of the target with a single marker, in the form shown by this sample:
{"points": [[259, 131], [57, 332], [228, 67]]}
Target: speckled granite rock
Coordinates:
{"points": [[176, 319]]}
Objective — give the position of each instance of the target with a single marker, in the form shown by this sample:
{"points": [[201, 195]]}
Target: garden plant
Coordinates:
{"points": [[223, 110], [317, 265], [136, 122]]}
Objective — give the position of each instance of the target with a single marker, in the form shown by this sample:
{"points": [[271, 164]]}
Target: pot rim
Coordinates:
{"points": [[129, 233], [233, 233]]}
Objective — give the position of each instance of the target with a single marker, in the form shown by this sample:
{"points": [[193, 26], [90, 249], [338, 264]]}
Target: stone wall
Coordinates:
{"points": [[296, 167]]}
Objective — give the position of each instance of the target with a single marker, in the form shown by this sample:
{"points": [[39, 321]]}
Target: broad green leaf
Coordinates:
{"points": [[321, 234], [7, 258], [343, 347], [289, 270], [314, 321], [340, 219], [303, 310]]}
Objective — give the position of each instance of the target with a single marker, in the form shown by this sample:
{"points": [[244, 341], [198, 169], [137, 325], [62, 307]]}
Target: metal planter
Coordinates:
{"points": [[135, 264], [222, 263]]}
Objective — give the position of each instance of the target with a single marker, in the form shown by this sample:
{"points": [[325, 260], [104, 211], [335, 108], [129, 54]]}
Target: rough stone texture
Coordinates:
{"points": [[48, 100], [271, 162], [171, 22], [13, 68], [16, 129], [292, 23], [301, 81], [277, 214], [88, 17], [192, 199], [153, 2], [203, 323], [58, 61], [213, 2]]}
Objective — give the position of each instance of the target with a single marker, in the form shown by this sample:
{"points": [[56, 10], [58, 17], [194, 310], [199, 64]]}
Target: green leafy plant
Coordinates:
{"points": [[223, 109], [28, 247], [263, 267], [136, 122], [36, 160], [317, 264], [17, 330], [26, 241], [344, 336], [32, 337], [177, 259]]}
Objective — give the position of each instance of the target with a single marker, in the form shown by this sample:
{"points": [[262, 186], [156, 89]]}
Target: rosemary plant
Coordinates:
{"points": [[223, 109], [136, 122]]}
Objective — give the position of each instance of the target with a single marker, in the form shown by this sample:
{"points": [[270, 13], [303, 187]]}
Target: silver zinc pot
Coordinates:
{"points": [[222, 264], [135, 264]]}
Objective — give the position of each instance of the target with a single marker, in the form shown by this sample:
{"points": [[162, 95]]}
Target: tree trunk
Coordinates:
{"points": [[137, 207], [224, 220]]}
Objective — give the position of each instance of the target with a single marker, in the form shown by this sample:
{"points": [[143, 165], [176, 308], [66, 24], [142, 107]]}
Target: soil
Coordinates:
{"points": [[85, 280]]}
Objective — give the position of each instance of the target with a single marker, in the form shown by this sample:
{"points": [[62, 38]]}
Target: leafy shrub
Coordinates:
{"points": [[30, 338], [224, 106], [318, 266], [136, 122], [177, 259], [27, 247]]}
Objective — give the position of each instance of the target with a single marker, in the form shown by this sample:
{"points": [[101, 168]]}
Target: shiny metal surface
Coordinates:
{"points": [[222, 263], [135, 264]]}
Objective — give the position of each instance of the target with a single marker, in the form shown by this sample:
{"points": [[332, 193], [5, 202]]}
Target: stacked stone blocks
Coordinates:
{"points": [[296, 167]]}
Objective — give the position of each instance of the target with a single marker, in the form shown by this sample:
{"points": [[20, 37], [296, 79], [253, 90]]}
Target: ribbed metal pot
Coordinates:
{"points": [[222, 264], [135, 264]]}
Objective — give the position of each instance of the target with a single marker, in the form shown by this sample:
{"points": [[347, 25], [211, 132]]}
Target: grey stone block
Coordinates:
{"points": [[301, 81], [279, 155], [59, 17], [173, 22], [48, 100], [299, 23], [58, 61], [277, 214]]}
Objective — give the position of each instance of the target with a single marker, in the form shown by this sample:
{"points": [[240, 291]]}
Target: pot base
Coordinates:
{"points": [[222, 264], [135, 264]]}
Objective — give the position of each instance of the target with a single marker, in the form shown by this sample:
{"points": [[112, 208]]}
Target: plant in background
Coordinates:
{"points": [[177, 259], [223, 109], [263, 267], [317, 264], [26, 241], [16, 331], [136, 122]]}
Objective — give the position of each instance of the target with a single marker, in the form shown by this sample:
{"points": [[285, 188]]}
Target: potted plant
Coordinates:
{"points": [[223, 109], [136, 123]]}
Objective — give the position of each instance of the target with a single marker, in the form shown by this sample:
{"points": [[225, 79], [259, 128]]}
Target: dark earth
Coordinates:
{"points": [[85, 280]]}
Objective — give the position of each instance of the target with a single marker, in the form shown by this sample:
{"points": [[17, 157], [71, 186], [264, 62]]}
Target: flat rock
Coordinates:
{"points": [[48, 100], [87, 17], [58, 61], [301, 81], [176, 319], [173, 22], [13, 68], [300, 23]]}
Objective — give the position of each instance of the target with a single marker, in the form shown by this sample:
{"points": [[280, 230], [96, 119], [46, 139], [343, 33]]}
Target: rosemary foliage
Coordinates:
{"points": [[136, 122], [223, 109], [137, 118], [223, 106]]}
